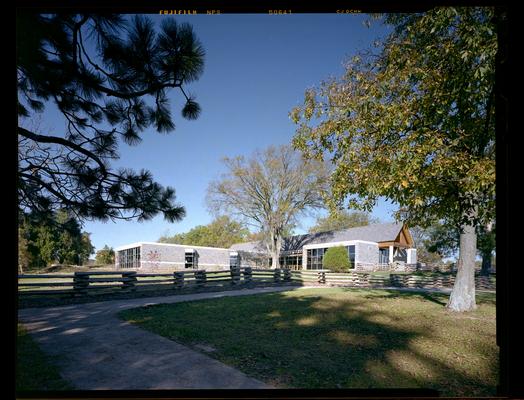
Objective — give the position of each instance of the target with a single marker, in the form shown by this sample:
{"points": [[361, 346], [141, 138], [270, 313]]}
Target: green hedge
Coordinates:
{"points": [[336, 259]]}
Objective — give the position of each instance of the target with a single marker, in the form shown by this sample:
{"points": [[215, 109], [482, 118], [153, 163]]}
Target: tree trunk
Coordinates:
{"points": [[274, 259], [462, 297], [276, 242]]}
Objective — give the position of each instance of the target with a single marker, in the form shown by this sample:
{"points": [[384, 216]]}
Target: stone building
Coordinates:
{"points": [[367, 247]]}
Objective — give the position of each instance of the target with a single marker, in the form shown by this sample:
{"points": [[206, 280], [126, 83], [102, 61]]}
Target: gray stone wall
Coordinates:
{"points": [[253, 260], [366, 254], [159, 257]]}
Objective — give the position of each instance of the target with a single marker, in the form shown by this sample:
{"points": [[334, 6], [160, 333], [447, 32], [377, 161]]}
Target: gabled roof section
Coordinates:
{"points": [[253, 247], [388, 232], [405, 237]]}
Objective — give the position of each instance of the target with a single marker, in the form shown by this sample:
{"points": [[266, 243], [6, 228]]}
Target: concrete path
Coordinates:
{"points": [[95, 350]]}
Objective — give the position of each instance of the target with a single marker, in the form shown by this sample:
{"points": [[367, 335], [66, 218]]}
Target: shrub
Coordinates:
{"points": [[336, 259], [105, 255]]}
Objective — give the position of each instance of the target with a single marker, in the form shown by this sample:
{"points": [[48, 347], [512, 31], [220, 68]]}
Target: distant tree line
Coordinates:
{"points": [[56, 237], [105, 256], [343, 219], [441, 240], [221, 232]]}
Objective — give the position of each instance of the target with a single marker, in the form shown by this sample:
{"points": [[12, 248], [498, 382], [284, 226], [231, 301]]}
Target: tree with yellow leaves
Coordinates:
{"points": [[414, 123]]}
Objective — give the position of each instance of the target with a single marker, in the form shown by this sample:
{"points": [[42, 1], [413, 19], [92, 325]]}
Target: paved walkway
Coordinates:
{"points": [[95, 350]]}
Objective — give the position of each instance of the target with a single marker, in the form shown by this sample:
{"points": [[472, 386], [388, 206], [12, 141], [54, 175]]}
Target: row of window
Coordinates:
{"points": [[290, 261], [315, 257], [129, 258]]}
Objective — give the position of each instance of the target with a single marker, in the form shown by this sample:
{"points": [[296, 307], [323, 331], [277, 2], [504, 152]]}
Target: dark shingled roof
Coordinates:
{"points": [[371, 233]]}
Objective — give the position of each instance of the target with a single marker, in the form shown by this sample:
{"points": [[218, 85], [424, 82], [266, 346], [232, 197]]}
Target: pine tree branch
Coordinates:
{"points": [[64, 142]]}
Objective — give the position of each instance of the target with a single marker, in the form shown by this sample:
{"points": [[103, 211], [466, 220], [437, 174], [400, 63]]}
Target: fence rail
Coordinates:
{"points": [[81, 283]]}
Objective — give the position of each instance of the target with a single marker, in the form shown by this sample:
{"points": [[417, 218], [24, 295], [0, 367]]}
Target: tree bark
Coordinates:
{"points": [[462, 297], [276, 242], [274, 258]]}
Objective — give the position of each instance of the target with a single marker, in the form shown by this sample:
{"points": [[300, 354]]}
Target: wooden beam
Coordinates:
{"points": [[407, 234], [382, 245], [404, 238]]}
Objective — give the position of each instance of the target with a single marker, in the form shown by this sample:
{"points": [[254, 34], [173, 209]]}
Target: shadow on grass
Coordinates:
{"points": [[438, 298], [434, 297], [161, 290], [300, 340]]}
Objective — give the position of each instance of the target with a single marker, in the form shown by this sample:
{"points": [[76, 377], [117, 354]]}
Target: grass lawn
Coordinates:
{"points": [[34, 370], [340, 338]]}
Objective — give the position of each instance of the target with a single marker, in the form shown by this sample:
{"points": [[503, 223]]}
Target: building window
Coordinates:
{"points": [[234, 260], [351, 255], [314, 258], [400, 255], [291, 261], [129, 258], [191, 257], [383, 256]]}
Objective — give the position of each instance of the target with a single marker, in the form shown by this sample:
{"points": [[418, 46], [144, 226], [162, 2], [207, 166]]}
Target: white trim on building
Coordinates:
{"points": [[138, 244], [334, 244], [183, 263]]}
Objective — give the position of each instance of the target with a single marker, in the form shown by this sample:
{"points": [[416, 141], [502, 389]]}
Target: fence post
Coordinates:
{"points": [[276, 275], [248, 274], [179, 279], [200, 277], [287, 275], [365, 279], [321, 277], [129, 284], [235, 275], [80, 283], [393, 280]]}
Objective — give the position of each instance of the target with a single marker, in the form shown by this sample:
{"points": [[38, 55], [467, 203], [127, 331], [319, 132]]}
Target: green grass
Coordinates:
{"points": [[34, 369], [341, 338]]}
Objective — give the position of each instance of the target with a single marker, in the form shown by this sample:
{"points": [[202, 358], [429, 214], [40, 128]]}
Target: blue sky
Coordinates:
{"points": [[257, 68]]}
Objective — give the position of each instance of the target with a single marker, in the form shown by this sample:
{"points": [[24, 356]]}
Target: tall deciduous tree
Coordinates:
{"points": [[342, 219], [109, 78], [415, 123], [270, 190]]}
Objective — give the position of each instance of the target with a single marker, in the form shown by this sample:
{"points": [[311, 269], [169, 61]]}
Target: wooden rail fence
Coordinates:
{"points": [[82, 283]]}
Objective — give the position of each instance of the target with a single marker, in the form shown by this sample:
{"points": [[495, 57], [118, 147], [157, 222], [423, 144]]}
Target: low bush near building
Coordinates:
{"points": [[336, 259]]}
